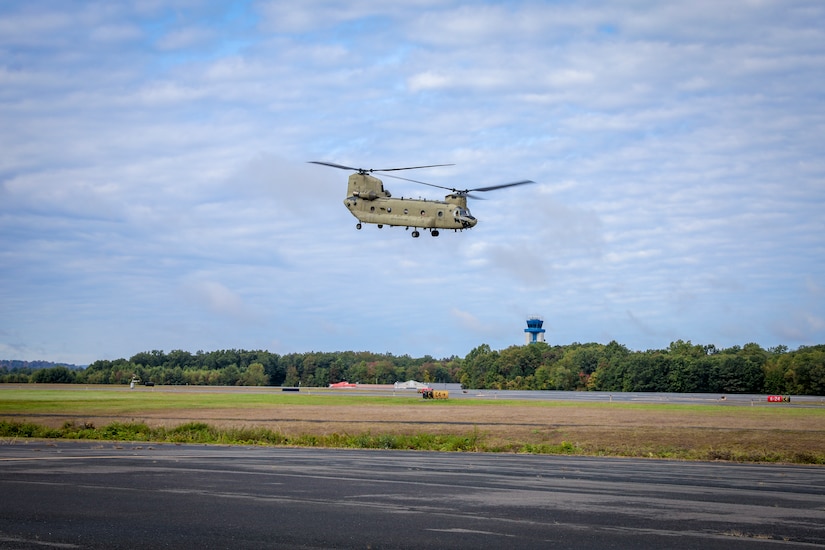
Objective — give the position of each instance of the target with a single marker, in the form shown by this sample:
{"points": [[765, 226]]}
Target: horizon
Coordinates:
{"points": [[771, 349]]}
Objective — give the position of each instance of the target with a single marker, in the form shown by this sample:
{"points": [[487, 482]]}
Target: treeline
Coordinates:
{"points": [[682, 367], [18, 365], [247, 368]]}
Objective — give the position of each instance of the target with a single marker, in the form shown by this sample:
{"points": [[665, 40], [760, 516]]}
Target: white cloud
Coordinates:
{"points": [[220, 300]]}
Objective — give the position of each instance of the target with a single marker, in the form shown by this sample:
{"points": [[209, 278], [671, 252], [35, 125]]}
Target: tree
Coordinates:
{"points": [[275, 373], [579, 361], [53, 375], [805, 370], [154, 358], [231, 375], [98, 372], [174, 377], [682, 348], [254, 375], [480, 369], [646, 372], [734, 374], [688, 373]]}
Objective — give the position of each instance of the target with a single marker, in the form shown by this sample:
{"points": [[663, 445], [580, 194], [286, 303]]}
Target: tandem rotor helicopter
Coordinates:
{"points": [[369, 202]]}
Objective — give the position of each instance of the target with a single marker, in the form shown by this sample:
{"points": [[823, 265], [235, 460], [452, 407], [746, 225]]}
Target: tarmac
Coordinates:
{"points": [[82, 494]]}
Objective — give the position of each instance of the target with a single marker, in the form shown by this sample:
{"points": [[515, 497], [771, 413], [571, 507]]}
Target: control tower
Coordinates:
{"points": [[534, 332]]}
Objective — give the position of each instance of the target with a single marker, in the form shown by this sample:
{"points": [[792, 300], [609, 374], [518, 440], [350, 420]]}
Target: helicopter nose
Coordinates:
{"points": [[468, 220]]}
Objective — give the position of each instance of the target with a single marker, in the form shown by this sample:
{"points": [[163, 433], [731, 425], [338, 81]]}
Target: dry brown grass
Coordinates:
{"points": [[737, 433]]}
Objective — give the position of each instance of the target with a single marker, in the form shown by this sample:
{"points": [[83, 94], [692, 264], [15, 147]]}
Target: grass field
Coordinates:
{"points": [[242, 416]]}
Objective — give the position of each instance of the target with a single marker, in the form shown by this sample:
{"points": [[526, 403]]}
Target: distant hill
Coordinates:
{"points": [[16, 364]]}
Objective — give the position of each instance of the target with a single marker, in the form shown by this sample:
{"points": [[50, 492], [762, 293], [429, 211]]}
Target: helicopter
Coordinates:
{"points": [[369, 202]]}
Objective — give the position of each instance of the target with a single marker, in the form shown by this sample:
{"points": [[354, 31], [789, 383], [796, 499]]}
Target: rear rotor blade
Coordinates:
{"points": [[421, 182], [502, 186], [466, 192]]}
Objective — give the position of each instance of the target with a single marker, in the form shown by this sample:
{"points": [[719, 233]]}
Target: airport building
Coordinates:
{"points": [[534, 333]]}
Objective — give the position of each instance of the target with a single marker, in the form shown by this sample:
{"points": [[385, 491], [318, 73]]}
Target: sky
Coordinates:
{"points": [[155, 190]]}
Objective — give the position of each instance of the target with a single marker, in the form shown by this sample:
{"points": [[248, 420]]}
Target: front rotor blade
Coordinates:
{"points": [[502, 186], [341, 166], [370, 170], [409, 168]]}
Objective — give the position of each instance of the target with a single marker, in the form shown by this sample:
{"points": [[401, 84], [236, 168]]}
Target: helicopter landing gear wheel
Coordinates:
{"points": [[358, 226], [415, 234], [434, 232]]}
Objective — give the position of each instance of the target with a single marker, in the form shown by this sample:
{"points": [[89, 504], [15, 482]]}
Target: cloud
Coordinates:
{"points": [[185, 37], [220, 300], [483, 329]]}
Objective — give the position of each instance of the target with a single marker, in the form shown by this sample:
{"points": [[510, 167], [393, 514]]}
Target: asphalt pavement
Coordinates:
{"points": [[81, 494]]}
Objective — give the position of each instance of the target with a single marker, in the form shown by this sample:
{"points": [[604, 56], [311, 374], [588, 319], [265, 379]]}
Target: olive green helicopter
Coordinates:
{"points": [[369, 202]]}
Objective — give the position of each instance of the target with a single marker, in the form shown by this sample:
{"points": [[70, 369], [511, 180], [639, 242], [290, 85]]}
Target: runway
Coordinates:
{"points": [[81, 494]]}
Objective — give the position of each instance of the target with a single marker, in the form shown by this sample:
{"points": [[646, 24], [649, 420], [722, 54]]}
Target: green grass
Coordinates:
{"points": [[121, 400], [200, 432], [124, 401]]}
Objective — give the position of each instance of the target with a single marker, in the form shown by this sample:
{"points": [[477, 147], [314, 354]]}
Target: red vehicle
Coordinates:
{"points": [[344, 384]]}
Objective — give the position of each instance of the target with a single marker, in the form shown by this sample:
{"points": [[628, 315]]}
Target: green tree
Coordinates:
{"points": [[254, 375], [154, 358], [291, 378], [805, 370], [230, 375], [479, 370], [732, 373], [687, 373], [686, 349], [98, 372], [646, 372], [53, 375], [174, 376]]}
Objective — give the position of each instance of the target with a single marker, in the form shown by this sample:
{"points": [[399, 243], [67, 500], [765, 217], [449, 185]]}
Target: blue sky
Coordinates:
{"points": [[155, 191]]}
